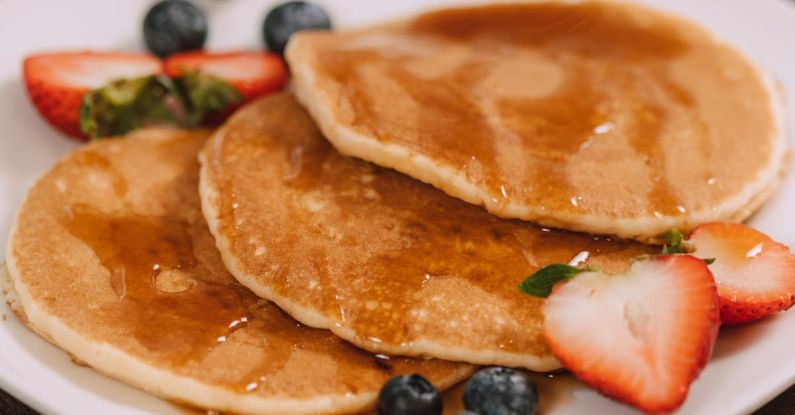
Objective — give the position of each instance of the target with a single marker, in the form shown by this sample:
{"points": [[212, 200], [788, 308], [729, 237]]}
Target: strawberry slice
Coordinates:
{"points": [[252, 73], [57, 82], [641, 337], [755, 275]]}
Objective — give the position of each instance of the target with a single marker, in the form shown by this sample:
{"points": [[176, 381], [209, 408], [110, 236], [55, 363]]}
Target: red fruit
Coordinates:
{"points": [[57, 82], [755, 275], [252, 73], [641, 337]]}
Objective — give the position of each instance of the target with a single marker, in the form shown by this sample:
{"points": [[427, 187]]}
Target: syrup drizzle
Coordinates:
{"points": [[605, 77], [386, 268], [138, 249]]}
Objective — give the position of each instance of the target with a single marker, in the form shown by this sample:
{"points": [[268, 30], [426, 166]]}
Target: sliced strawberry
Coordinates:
{"points": [[755, 275], [641, 337], [57, 82], [252, 73]]}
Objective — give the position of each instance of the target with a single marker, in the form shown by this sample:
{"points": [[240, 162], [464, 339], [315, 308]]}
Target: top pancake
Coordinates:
{"points": [[380, 259], [602, 117], [112, 261]]}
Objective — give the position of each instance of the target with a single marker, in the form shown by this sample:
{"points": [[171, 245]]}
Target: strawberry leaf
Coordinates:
{"points": [[205, 94], [541, 282], [673, 242], [125, 105]]}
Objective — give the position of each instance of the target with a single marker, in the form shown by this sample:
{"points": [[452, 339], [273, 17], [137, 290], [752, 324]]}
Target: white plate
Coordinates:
{"points": [[750, 365]]}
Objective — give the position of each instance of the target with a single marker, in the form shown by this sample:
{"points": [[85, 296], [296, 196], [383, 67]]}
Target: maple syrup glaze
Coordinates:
{"points": [[595, 109], [191, 314], [389, 262], [144, 276]]}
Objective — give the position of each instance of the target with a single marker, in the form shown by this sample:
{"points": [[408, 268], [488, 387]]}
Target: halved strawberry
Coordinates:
{"points": [[57, 82], [755, 275], [641, 337], [251, 73]]}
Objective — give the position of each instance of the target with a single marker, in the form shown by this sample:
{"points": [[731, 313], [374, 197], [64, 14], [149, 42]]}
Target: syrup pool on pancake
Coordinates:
{"points": [[113, 262]]}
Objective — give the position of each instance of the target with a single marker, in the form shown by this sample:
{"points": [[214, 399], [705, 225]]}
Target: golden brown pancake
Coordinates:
{"points": [[382, 260], [112, 261], [601, 117]]}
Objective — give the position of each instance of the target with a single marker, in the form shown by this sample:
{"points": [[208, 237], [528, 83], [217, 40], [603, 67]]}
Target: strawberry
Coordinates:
{"points": [[755, 275], [252, 73], [641, 337], [57, 82]]}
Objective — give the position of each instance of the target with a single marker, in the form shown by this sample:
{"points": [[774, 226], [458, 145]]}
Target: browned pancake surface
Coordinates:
{"points": [[594, 116], [382, 260], [112, 244]]}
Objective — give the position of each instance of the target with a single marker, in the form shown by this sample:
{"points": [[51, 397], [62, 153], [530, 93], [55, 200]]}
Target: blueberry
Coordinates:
{"points": [[409, 395], [173, 26], [500, 391], [288, 18]]}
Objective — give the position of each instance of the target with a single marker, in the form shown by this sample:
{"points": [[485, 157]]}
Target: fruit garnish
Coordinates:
{"points": [[755, 275], [172, 26], [409, 395], [57, 82], [287, 18], [500, 390], [125, 105], [640, 337], [252, 73]]}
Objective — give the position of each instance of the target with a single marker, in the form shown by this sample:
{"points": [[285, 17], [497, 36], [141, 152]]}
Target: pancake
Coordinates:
{"points": [[382, 260], [600, 117], [111, 260]]}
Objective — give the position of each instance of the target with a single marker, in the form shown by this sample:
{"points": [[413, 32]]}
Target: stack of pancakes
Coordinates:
{"points": [[322, 275]]}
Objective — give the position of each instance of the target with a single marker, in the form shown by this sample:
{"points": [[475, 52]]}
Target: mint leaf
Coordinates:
{"points": [[541, 282]]}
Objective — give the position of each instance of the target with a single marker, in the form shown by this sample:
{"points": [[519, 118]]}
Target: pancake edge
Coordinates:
{"points": [[310, 317], [645, 229], [118, 364]]}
